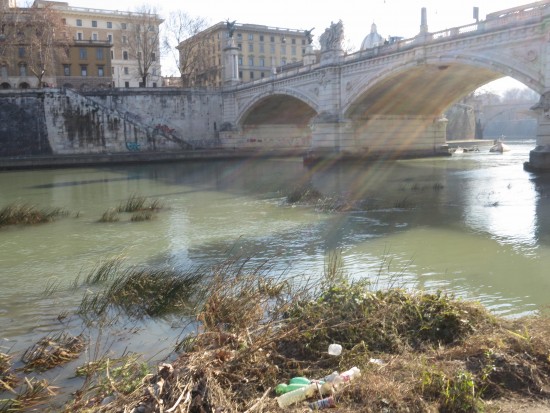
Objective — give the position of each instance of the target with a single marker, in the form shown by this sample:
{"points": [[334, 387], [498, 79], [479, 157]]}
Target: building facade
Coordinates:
{"points": [[104, 49], [262, 51], [117, 28]]}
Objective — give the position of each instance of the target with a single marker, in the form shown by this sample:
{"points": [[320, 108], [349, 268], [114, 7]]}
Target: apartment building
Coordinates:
{"points": [[262, 50], [97, 26], [106, 48]]}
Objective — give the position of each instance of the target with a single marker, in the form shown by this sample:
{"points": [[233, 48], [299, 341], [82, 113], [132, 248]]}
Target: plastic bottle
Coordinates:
{"points": [[297, 395], [351, 374], [293, 384], [346, 376], [323, 403]]}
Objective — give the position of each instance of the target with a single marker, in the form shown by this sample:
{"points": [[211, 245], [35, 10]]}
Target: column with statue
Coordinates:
{"points": [[231, 57]]}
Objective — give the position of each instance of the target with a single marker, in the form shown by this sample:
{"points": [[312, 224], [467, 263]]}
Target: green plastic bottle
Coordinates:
{"points": [[293, 384]]}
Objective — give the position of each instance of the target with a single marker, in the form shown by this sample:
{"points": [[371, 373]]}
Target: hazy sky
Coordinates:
{"points": [[392, 17]]}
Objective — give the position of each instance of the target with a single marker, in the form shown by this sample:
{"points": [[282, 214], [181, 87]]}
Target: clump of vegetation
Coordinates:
{"points": [[417, 352], [142, 292], [139, 206], [136, 203], [7, 379], [50, 352], [307, 195], [107, 378], [25, 214], [111, 215], [32, 393], [404, 203]]}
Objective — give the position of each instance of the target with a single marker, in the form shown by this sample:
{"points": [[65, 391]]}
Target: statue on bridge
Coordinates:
{"points": [[333, 37], [230, 27], [309, 36]]}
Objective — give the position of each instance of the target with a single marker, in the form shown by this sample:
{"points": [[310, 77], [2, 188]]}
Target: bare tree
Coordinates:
{"points": [[41, 32], [144, 42], [187, 48]]}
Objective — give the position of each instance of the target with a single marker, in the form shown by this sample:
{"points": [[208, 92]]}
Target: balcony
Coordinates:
{"points": [[82, 42]]}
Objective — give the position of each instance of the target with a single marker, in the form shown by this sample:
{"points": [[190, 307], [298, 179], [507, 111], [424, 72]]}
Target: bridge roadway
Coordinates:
{"points": [[388, 101]]}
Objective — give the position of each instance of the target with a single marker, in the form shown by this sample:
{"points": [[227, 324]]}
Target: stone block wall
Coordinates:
{"points": [[64, 122]]}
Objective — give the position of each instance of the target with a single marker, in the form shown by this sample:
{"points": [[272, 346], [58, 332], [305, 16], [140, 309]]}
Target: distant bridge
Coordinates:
{"points": [[389, 100]]}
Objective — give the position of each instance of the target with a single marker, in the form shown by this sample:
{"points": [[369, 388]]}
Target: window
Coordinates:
{"points": [[79, 36], [250, 47], [153, 57], [126, 71], [67, 70], [112, 55], [272, 48], [83, 70], [303, 42], [239, 36], [99, 53], [262, 62], [262, 50], [139, 55], [293, 50], [126, 84], [293, 41], [124, 40], [79, 22], [283, 61], [64, 21], [100, 71], [251, 75], [283, 49], [83, 53], [272, 39], [262, 75], [94, 36], [21, 52], [250, 60], [240, 60], [123, 26], [240, 46], [23, 70], [240, 74], [94, 23], [109, 25], [110, 38], [4, 71], [261, 37], [125, 55], [250, 37]]}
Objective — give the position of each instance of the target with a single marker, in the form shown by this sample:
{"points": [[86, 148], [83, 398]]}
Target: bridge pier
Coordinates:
{"points": [[380, 136], [539, 158]]}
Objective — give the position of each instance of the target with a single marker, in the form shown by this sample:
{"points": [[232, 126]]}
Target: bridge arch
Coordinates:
{"points": [[286, 99], [429, 87], [277, 120]]}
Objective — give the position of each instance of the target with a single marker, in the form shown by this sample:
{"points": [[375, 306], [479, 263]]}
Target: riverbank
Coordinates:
{"points": [[410, 351], [68, 161]]}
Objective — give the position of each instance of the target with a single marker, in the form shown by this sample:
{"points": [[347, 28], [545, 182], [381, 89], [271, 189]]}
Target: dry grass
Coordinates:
{"points": [[32, 396], [7, 378], [417, 352], [50, 352], [25, 214]]}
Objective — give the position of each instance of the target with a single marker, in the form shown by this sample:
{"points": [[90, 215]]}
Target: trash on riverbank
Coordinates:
{"points": [[416, 351]]}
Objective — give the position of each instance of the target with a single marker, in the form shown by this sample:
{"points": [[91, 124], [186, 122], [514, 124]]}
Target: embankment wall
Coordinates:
{"points": [[62, 122]]}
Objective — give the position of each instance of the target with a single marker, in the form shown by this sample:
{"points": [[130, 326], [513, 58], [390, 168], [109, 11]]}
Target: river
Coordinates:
{"points": [[475, 225]]}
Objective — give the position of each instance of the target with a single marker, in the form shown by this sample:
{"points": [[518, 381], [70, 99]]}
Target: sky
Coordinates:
{"points": [[392, 17]]}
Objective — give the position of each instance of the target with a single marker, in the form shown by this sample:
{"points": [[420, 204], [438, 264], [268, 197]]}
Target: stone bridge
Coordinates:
{"points": [[388, 101]]}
